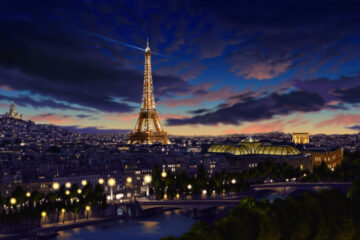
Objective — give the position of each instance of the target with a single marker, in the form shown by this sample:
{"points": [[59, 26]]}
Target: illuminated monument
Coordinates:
{"points": [[300, 138], [148, 129], [12, 113]]}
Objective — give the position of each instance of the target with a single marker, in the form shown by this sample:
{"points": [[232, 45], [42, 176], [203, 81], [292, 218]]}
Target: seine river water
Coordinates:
{"points": [[149, 228], [154, 227]]}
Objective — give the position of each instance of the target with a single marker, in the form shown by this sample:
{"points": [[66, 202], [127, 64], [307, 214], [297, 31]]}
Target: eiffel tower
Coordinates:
{"points": [[148, 129]]}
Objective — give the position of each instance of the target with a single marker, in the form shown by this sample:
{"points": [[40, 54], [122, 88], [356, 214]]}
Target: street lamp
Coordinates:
{"points": [[163, 175], [128, 182], [43, 214], [233, 181], [111, 182], [87, 209], [55, 186], [147, 180], [67, 192], [101, 181], [68, 185], [189, 187], [83, 183], [63, 212], [28, 194], [79, 191]]}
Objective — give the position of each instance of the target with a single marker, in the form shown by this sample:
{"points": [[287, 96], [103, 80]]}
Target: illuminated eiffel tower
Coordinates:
{"points": [[148, 129]]}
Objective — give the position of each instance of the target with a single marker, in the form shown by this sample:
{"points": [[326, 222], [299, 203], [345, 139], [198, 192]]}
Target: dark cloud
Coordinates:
{"points": [[345, 89], [55, 63], [257, 109], [349, 95], [97, 130], [355, 127], [26, 101], [298, 96], [199, 111]]}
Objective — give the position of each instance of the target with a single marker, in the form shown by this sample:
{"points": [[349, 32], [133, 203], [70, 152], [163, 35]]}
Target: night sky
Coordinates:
{"points": [[223, 67]]}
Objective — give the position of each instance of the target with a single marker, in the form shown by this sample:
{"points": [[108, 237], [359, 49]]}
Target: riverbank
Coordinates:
{"points": [[60, 227]]}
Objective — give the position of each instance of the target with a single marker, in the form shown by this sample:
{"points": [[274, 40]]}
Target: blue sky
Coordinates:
{"points": [[230, 66]]}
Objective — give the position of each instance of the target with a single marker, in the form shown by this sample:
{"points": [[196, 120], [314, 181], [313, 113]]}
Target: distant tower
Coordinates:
{"points": [[148, 129]]}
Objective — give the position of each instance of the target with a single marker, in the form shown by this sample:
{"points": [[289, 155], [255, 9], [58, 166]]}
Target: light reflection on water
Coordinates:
{"points": [[150, 228]]}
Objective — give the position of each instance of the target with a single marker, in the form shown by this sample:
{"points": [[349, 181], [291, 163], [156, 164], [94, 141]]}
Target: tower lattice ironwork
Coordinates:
{"points": [[148, 129]]}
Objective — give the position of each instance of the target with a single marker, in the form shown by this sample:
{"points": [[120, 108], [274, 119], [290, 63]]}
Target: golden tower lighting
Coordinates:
{"points": [[148, 128]]}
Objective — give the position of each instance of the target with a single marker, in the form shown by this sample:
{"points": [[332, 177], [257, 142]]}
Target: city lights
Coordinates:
{"points": [[111, 182], [12, 201], [83, 183], [68, 185], [55, 186], [101, 181]]}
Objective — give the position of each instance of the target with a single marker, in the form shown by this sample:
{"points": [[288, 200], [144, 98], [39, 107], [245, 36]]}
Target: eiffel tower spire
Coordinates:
{"points": [[148, 129]]}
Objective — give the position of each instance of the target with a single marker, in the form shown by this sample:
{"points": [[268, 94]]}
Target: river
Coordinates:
{"points": [[150, 228], [173, 223]]}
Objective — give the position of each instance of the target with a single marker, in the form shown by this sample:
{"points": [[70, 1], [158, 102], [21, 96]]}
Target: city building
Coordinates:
{"points": [[331, 157], [300, 138], [249, 152]]}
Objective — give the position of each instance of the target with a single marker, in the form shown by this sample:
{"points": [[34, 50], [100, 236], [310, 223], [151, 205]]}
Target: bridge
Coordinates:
{"points": [[199, 206], [189, 204], [287, 188]]}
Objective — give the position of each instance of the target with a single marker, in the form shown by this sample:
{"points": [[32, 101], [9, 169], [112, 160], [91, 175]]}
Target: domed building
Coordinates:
{"points": [[12, 113], [249, 152]]}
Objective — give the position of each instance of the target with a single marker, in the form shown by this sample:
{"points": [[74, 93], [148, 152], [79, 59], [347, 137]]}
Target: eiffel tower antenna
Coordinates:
{"points": [[148, 129]]}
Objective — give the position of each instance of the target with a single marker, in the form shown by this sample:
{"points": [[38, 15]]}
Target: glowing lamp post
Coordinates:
{"points": [[163, 175], [189, 187], [28, 194], [233, 181], [147, 180], [79, 191], [87, 209], [43, 214], [111, 183], [67, 192], [128, 183], [63, 213]]}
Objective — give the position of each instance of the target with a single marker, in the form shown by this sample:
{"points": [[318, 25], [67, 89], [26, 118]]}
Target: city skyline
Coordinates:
{"points": [[271, 67]]}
